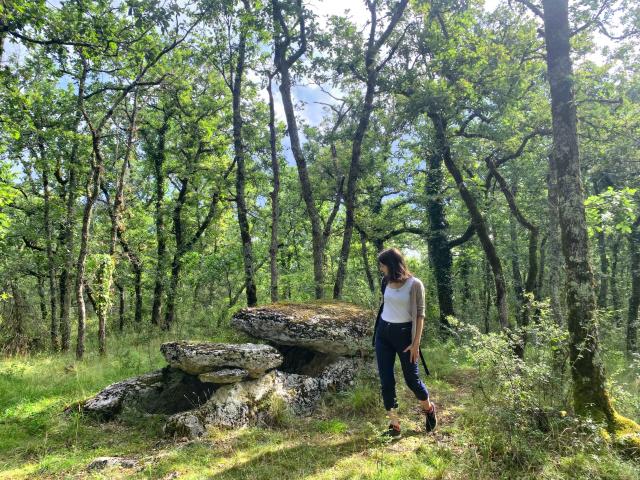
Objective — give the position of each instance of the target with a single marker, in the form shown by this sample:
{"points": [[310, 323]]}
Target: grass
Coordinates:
{"points": [[340, 441]]}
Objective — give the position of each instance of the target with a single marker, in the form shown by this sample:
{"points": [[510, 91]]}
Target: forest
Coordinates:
{"points": [[166, 164]]}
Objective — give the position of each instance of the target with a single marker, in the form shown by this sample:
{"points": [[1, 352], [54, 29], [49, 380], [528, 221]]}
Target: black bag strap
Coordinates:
{"points": [[424, 364], [373, 340]]}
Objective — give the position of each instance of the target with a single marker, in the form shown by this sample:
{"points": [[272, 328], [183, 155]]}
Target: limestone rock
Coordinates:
{"points": [[105, 462], [231, 406], [108, 402], [337, 328], [302, 393], [197, 358], [165, 391], [224, 375], [242, 403], [185, 424]]}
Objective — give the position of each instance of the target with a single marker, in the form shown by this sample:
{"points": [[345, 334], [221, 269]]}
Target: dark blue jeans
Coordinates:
{"points": [[392, 339]]}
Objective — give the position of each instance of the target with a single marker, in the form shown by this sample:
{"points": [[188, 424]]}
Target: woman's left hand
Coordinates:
{"points": [[413, 352]]}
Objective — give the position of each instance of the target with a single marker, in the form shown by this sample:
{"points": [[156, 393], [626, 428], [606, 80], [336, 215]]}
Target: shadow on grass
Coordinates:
{"points": [[295, 462]]}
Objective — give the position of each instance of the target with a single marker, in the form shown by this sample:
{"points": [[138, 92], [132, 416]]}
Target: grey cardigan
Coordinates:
{"points": [[416, 303]]}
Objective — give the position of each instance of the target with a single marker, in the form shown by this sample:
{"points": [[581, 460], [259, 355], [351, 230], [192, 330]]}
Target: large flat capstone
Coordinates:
{"points": [[196, 358], [337, 328]]}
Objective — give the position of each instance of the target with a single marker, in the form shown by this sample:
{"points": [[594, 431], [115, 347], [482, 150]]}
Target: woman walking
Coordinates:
{"points": [[398, 331]]}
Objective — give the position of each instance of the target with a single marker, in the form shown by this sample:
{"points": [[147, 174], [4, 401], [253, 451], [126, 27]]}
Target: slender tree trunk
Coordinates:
{"points": [[283, 65], [465, 272], [604, 269], [172, 291], [372, 67], [134, 260], [556, 262], [176, 264], [275, 198], [515, 264], [138, 292], [185, 245], [365, 260], [243, 222], [603, 277], [589, 393], [486, 270], [528, 289], [121, 306], [477, 220], [161, 241], [66, 284], [94, 184], [354, 172], [634, 298], [441, 259], [615, 292], [541, 272], [43, 299], [51, 266]]}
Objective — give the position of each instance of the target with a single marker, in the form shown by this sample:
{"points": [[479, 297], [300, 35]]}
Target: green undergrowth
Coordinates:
{"points": [[487, 428]]}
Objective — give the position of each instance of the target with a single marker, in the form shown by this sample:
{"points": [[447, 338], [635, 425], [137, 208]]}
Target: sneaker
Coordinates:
{"points": [[393, 432], [430, 421]]}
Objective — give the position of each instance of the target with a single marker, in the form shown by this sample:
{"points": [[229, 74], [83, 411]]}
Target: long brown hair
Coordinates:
{"points": [[393, 259]]}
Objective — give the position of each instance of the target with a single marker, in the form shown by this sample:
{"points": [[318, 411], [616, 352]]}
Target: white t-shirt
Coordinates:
{"points": [[397, 303]]}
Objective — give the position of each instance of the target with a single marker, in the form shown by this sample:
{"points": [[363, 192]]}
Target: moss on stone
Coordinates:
{"points": [[626, 435], [303, 311]]}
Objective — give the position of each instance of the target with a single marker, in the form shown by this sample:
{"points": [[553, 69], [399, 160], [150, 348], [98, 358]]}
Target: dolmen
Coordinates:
{"points": [[301, 351]]}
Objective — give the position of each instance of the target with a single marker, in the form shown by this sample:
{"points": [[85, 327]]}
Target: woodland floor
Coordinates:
{"points": [[340, 441]]}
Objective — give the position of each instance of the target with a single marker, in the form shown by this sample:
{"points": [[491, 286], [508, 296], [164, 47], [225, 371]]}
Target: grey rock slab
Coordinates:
{"points": [[196, 358], [242, 403], [232, 405], [108, 402], [106, 462], [165, 391], [337, 328], [302, 393]]}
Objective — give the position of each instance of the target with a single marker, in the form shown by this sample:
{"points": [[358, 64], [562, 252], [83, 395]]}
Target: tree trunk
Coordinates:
{"points": [[465, 271], [69, 227], [275, 198], [603, 277], [365, 261], [515, 264], [94, 184], [161, 241], [51, 267], [556, 262], [372, 67], [604, 269], [354, 173], [138, 292], [121, 306], [486, 270], [283, 64], [184, 245], [42, 296], [477, 220], [176, 266], [440, 257], [528, 289], [589, 393], [243, 222], [616, 301], [634, 298]]}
